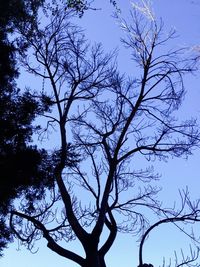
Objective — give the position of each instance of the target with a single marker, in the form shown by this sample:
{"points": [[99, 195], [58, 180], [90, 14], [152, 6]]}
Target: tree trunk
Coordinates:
{"points": [[94, 261], [93, 257]]}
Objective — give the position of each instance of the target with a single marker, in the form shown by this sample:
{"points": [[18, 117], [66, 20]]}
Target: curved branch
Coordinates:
{"points": [[51, 243], [112, 226], [191, 217]]}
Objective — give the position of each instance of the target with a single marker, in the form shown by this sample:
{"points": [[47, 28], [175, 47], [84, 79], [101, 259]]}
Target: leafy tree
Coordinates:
{"points": [[104, 122], [16, 113]]}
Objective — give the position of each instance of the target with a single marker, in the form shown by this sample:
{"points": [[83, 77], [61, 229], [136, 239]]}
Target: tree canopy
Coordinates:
{"points": [[80, 6]]}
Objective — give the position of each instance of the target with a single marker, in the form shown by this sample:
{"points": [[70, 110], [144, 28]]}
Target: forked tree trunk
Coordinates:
{"points": [[93, 257]]}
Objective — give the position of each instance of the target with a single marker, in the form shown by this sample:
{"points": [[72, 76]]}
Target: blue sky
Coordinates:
{"points": [[184, 16]]}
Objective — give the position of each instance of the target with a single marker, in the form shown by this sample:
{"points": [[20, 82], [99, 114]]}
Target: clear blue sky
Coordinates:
{"points": [[177, 173]]}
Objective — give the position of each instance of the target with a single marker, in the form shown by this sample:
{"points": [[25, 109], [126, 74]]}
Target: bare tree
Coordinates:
{"points": [[106, 124]]}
